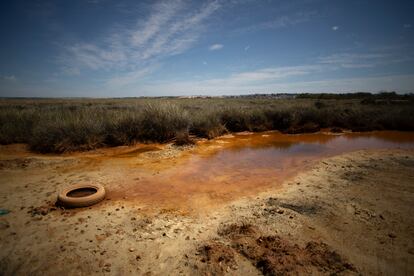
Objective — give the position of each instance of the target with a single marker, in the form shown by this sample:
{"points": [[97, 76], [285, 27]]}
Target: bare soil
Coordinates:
{"points": [[349, 214]]}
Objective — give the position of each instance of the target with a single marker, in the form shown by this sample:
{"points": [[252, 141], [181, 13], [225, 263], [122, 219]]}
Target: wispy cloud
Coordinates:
{"points": [[11, 78], [130, 77], [353, 60], [215, 47], [271, 74], [335, 28], [171, 28], [251, 78], [403, 83], [280, 22]]}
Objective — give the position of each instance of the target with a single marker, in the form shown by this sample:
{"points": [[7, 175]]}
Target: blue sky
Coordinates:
{"points": [[105, 48]]}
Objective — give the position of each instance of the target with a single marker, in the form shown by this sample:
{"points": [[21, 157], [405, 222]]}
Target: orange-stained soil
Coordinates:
{"points": [[242, 204], [232, 166], [211, 173], [237, 165]]}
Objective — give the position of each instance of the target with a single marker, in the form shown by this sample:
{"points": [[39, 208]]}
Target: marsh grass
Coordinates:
{"points": [[83, 124]]}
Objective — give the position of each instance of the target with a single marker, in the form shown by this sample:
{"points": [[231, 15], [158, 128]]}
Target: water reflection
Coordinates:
{"points": [[233, 166]]}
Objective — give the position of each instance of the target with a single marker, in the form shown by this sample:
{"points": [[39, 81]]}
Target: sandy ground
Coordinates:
{"points": [[348, 214]]}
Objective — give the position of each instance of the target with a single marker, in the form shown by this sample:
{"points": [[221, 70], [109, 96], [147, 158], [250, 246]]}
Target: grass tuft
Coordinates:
{"points": [[58, 126]]}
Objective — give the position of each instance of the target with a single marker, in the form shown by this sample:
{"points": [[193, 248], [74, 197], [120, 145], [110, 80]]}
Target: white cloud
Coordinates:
{"points": [[335, 28], [402, 83], [171, 28], [246, 79], [131, 77], [215, 47], [269, 74], [353, 60]]}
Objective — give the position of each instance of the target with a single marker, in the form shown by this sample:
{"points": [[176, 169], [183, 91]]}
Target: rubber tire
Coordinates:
{"points": [[75, 202]]}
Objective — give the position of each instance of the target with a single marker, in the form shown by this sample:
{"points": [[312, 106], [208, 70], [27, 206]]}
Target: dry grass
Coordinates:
{"points": [[55, 125]]}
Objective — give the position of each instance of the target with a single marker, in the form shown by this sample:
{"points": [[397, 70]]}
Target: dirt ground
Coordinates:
{"points": [[348, 214]]}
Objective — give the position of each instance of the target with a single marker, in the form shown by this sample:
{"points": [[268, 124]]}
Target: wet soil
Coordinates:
{"points": [[241, 204]]}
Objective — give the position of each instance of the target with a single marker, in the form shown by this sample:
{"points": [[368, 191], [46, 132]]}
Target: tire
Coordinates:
{"points": [[82, 201]]}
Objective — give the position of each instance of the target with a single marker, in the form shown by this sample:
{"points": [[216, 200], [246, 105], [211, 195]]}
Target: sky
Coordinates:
{"points": [[120, 48]]}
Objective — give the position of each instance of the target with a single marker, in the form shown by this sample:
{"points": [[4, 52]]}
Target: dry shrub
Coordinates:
{"points": [[61, 125], [160, 122]]}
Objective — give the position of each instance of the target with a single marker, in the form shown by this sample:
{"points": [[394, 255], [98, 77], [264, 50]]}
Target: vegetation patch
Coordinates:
{"points": [[52, 125]]}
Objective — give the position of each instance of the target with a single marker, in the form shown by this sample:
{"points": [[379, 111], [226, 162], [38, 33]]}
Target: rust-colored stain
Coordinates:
{"points": [[214, 171], [233, 166]]}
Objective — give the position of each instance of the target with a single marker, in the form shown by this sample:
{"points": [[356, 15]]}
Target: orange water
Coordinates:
{"points": [[242, 165]]}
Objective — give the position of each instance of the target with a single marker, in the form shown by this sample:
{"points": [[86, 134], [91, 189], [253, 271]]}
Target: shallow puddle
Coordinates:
{"points": [[243, 164]]}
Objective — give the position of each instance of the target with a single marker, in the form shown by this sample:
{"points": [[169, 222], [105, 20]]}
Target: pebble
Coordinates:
{"points": [[131, 249]]}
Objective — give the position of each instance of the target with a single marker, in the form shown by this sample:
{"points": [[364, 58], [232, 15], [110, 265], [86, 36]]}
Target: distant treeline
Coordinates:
{"points": [[357, 95]]}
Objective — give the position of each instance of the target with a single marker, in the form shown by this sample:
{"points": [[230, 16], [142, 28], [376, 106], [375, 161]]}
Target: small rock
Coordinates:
{"points": [[280, 211], [392, 235], [131, 249]]}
